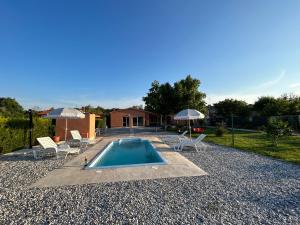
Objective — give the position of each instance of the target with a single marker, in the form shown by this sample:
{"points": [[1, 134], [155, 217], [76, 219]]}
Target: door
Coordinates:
{"points": [[134, 122], [126, 121]]}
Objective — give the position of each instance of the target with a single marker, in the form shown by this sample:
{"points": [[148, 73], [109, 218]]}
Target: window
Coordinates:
{"points": [[140, 121]]}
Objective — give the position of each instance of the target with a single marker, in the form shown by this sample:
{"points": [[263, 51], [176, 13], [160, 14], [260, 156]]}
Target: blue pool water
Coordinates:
{"points": [[127, 152]]}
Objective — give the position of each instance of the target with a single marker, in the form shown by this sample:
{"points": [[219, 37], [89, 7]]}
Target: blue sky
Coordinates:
{"points": [[73, 53]]}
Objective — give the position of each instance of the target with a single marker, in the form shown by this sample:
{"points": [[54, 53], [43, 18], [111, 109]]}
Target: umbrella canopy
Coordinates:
{"points": [[189, 114], [65, 113]]}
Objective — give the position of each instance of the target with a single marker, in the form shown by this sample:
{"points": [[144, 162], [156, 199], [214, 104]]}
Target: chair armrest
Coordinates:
{"points": [[63, 146], [85, 140]]}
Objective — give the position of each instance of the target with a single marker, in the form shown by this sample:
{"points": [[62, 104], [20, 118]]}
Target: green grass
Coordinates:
{"points": [[288, 148]]}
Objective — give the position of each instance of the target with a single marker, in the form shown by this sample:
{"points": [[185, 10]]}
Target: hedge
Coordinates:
{"points": [[14, 133], [100, 123]]}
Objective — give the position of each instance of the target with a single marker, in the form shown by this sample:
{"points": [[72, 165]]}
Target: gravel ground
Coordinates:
{"points": [[241, 188]]}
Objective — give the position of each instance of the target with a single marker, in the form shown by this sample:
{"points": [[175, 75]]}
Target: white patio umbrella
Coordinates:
{"points": [[65, 113], [189, 114]]}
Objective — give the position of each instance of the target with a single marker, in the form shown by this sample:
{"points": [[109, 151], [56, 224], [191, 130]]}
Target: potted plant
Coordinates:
{"points": [[55, 138]]}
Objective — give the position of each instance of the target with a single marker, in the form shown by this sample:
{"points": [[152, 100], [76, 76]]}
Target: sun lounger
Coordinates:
{"points": [[76, 136], [190, 143], [77, 139], [50, 146], [176, 138]]}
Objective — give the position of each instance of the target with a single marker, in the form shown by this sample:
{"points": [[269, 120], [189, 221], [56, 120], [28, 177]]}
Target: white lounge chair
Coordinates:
{"points": [[83, 142], [49, 145], [176, 138], [190, 143]]}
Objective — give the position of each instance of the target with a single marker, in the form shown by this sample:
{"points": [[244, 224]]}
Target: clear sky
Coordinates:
{"points": [[73, 53]]}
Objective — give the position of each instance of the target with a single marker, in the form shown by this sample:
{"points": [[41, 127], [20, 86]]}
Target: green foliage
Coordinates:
{"points": [[284, 105], [277, 128], [232, 106], [96, 110], [220, 130], [187, 95], [14, 133], [171, 128], [166, 99], [9, 107], [51, 130], [100, 123], [152, 100], [137, 107]]}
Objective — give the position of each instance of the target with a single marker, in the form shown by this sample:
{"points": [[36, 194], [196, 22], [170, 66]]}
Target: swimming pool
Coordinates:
{"points": [[128, 152]]}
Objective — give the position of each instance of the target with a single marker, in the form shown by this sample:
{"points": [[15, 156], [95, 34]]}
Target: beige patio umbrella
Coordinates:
{"points": [[65, 113], [189, 114]]}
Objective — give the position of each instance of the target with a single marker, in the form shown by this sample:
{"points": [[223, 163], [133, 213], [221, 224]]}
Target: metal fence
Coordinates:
{"points": [[253, 122]]}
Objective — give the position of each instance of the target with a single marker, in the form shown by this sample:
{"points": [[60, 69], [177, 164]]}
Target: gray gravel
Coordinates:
{"points": [[241, 188]]}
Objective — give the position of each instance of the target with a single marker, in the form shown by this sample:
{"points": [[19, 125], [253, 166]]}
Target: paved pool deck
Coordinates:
{"points": [[73, 172]]}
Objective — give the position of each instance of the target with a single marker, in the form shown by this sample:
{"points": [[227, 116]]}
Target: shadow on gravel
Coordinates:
{"points": [[25, 158]]}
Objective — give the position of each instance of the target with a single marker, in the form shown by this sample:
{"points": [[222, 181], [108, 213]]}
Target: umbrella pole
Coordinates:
{"points": [[66, 130], [190, 129]]}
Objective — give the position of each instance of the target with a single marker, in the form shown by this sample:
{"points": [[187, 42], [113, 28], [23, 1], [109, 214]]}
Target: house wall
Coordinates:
{"points": [[116, 117], [85, 126]]}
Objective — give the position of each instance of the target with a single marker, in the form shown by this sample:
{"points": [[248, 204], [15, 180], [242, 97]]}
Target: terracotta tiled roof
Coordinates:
{"points": [[44, 112]]}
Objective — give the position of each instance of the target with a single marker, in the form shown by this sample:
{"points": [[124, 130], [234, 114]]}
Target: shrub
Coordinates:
{"points": [[14, 133], [277, 128], [171, 128], [220, 130], [100, 123]]}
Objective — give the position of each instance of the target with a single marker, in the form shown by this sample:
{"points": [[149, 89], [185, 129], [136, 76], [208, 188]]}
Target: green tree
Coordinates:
{"points": [[96, 110], [152, 100], [9, 107], [160, 99], [270, 106], [187, 95], [232, 106], [166, 100], [137, 107], [291, 104], [277, 128]]}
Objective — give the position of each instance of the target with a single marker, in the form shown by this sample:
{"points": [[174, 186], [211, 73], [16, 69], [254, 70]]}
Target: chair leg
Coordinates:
{"points": [[181, 147], [35, 154], [196, 147], [66, 155]]}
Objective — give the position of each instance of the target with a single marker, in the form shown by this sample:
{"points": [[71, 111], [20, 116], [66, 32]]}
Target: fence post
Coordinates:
{"points": [[30, 128], [232, 132]]}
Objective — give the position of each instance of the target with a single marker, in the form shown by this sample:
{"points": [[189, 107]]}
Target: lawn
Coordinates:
{"points": [[288, 148]]}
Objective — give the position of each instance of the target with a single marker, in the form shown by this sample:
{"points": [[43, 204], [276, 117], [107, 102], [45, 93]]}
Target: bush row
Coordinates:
{"points": [[14, 133]]}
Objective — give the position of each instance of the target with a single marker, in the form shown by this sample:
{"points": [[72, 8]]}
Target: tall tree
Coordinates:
{"points": [[9, 107], [166, 99], [137, 107], [152, 100], [270, 106], [232, 106], [97, 110], [160, 98], [291, 104], [187, 94]]}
